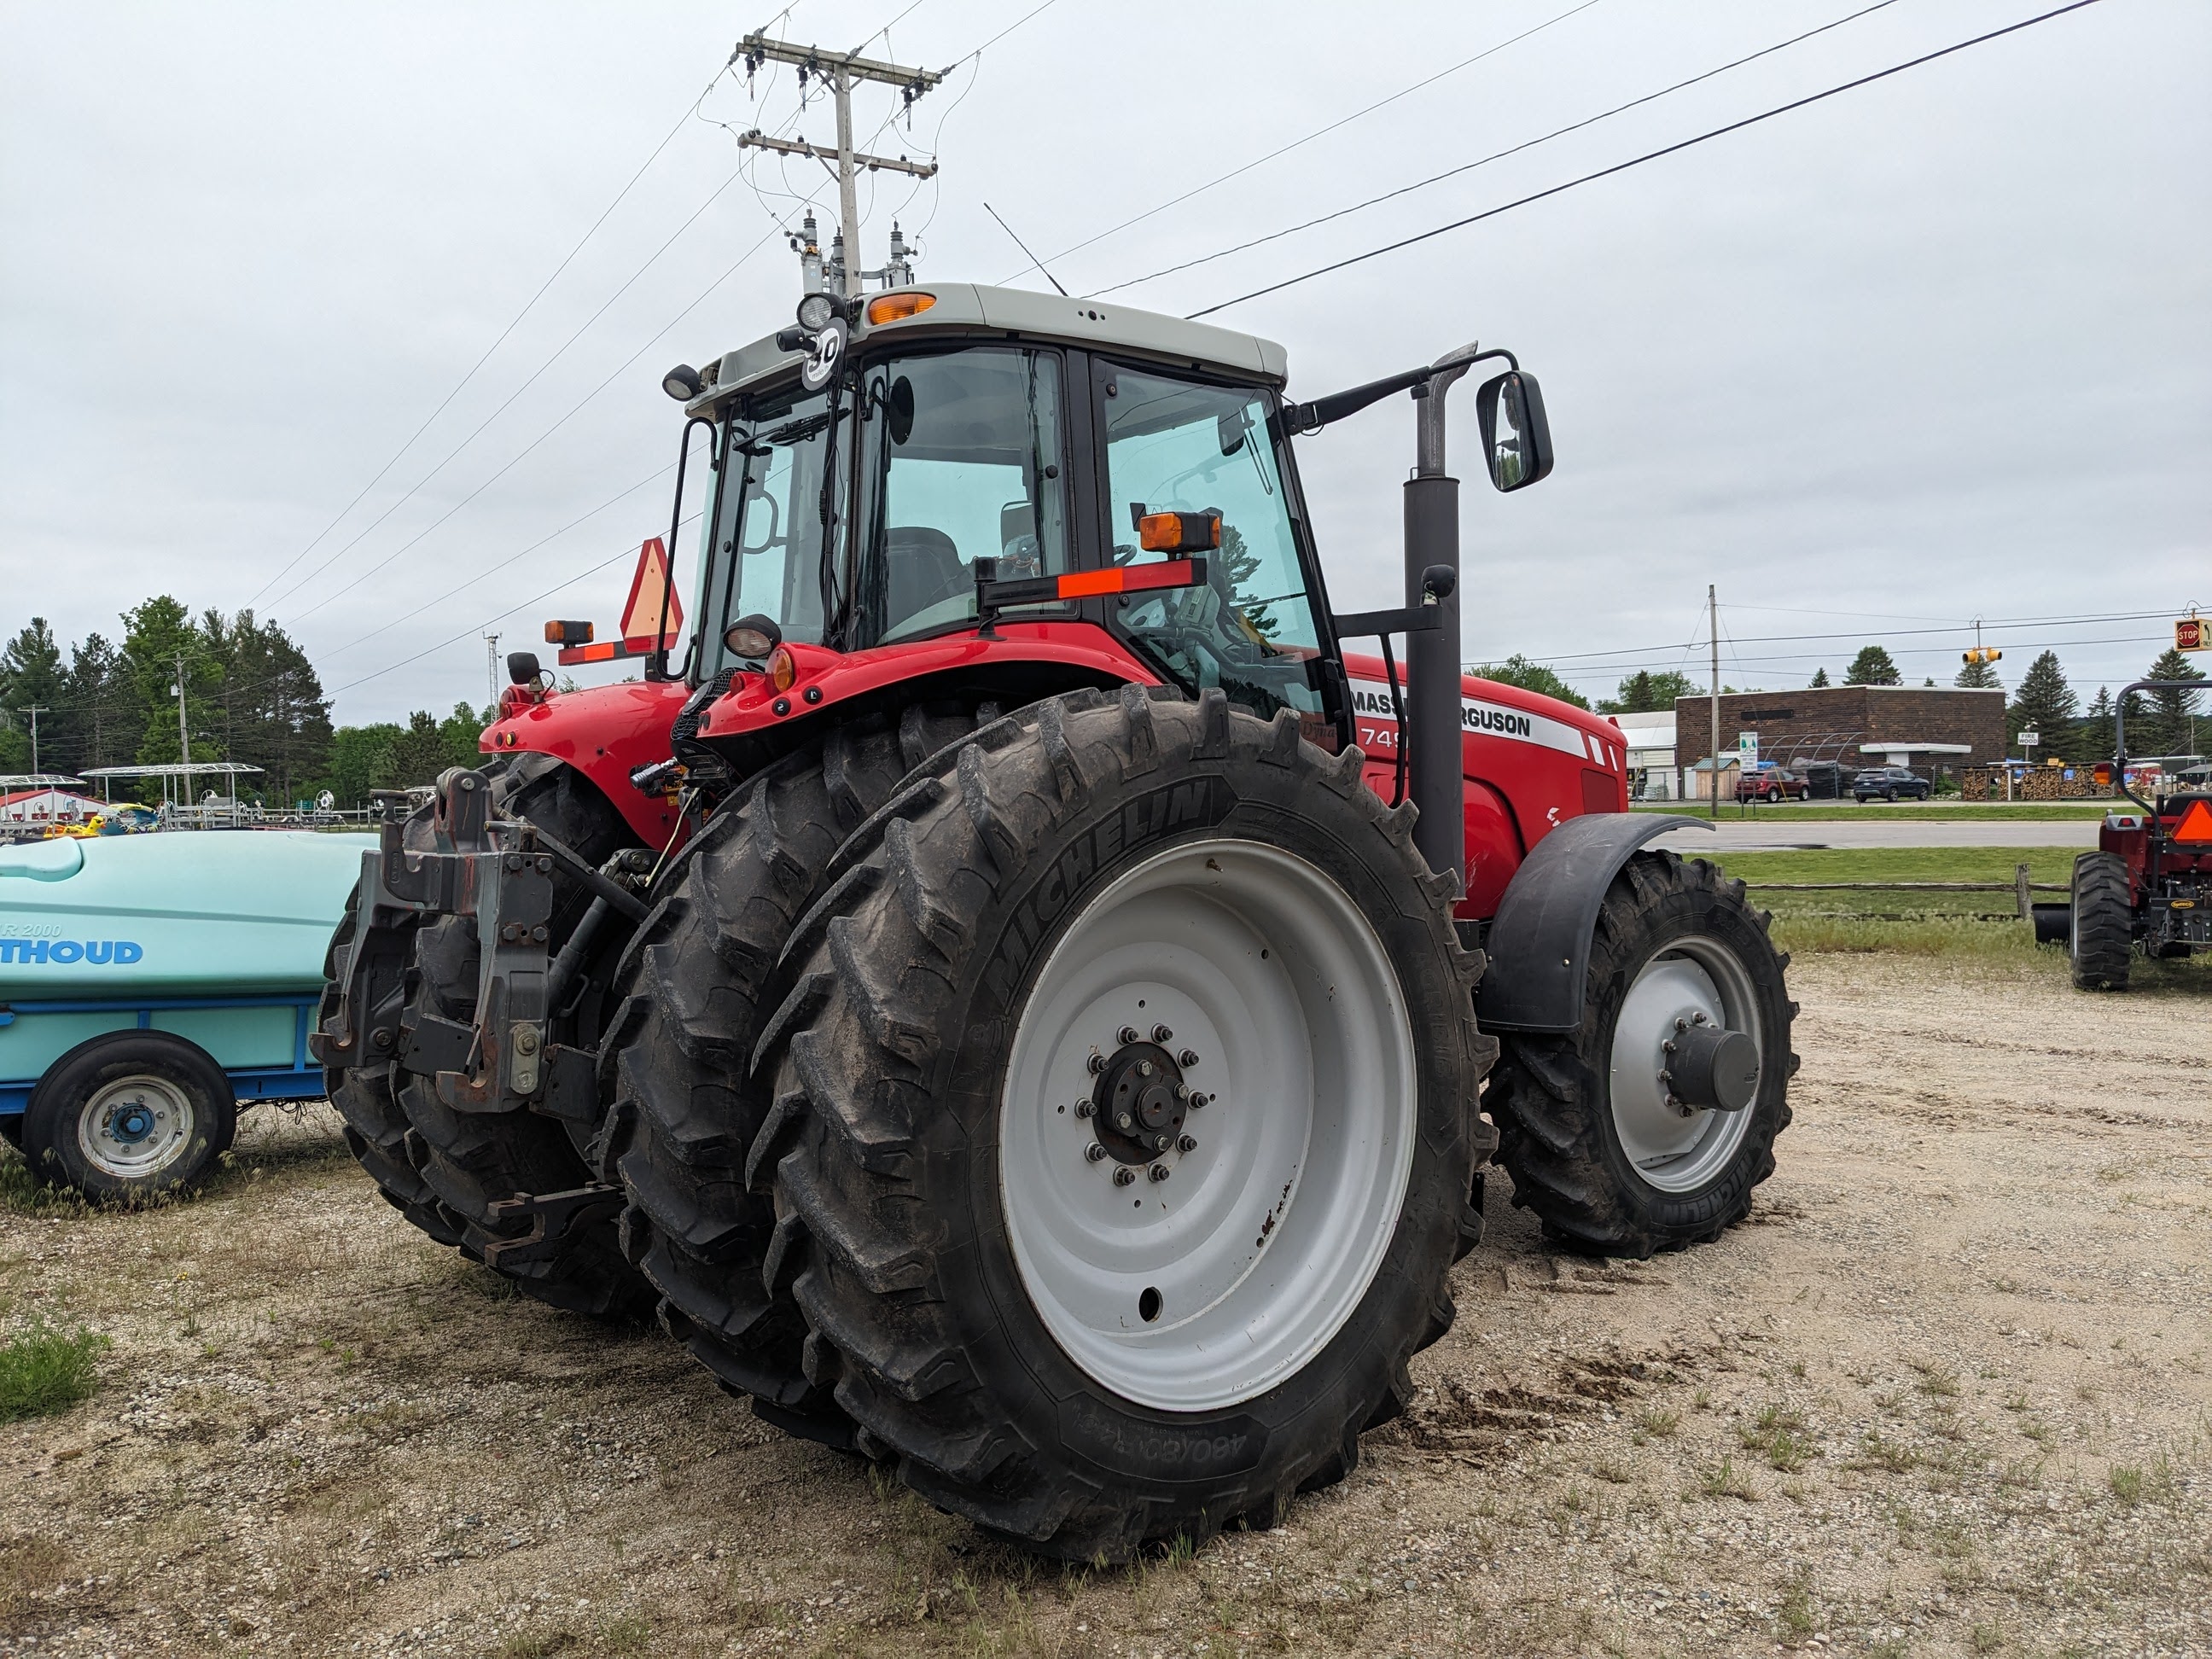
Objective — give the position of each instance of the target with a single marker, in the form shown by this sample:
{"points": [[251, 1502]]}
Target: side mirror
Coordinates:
{"points": [[1517, 440]]}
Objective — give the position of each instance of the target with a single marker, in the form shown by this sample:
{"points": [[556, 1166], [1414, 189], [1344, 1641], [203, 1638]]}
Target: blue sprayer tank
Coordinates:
{"points": [[149, 984]]}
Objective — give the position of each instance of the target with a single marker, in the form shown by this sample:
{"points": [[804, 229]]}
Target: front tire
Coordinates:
{"points": [[130, 1115], [2100, 937], [1590, 1134], [1055, 1342]]}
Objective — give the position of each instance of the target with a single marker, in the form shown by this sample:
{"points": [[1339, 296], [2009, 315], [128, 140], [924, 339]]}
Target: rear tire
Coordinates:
{"points": [[688, 1000], [375, 1128], [472, 1160], [2101, 939], [970, 1282], [1608, 1168]]}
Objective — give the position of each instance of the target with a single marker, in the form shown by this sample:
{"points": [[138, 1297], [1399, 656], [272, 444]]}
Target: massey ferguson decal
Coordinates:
{"points": [[1371, 700]]}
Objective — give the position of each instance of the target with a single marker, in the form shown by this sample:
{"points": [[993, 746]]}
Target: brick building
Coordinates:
{"points": [[1935, 730]]}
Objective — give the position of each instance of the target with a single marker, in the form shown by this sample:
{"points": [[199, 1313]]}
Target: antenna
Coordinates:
{"points": [[1026, 254]]}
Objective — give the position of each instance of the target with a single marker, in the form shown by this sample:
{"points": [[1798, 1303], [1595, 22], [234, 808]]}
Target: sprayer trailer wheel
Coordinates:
{"points": [[1647, 1126], [1123, 1123]]}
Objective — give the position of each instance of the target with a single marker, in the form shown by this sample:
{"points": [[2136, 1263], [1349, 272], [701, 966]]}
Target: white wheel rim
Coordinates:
{"points": [[1689, 979], [135, 1127], [1265, 1236]]}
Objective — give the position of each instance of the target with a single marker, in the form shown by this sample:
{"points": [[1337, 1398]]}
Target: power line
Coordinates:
{"points": [[1322, 132], [1497, 156], [576, 408], [454, 452], [512, 325], [2007, 624], [1648, 156]]}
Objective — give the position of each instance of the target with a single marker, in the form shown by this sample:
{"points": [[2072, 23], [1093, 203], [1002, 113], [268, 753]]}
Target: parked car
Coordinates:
{"points": [[1888, 783], [1773, 783]]}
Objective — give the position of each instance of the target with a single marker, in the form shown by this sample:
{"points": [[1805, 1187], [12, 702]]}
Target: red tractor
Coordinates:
{"points": [[1018, 998], [2149, 886]]}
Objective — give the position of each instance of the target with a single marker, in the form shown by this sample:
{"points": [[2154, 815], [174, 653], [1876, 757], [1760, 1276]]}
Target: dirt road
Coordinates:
{"points": [[1950, 1391]]}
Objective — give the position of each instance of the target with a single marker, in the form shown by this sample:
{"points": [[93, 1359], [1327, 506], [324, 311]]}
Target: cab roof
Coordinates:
{"points": [[974, 310]]}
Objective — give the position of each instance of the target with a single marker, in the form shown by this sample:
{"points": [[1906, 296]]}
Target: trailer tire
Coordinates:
{"points": [[129, 1116], [472, 1160], [2101, 937], [1073, 854], [1607, 1171], [374, 1127], [689, 1000]]}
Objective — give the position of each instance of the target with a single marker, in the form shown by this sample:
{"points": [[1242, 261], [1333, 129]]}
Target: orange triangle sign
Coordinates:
{"points": [[649, 591], [2196, 823]]}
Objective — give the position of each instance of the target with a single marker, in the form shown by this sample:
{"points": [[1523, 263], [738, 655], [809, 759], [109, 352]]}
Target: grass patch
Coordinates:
{"points": [[1903, 920], [1830, 811], [45, 1370]]}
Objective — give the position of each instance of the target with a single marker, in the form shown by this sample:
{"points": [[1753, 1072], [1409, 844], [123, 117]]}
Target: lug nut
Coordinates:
{"points": [[1197, 1101], [1125, 1121], [1094, 1152], [1160, 1143], [1182, 1092], [1158, 1172], [1189, 1142], [1097, 1062], [1144, 1068], [1124, 1176], [1127, 1034], [1084, 1108], [1187, 1059], [1161, 1034]]}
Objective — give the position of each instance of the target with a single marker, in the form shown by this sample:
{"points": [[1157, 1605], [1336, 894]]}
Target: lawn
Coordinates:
{"points": [[1819, 811], [1915, 921]]}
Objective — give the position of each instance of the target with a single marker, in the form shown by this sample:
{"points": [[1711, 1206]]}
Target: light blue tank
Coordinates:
{"points": [[208, 913], [215, 939]]}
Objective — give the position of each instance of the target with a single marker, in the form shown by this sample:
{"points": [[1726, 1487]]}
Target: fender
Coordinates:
{"points": [[1539, 947]]}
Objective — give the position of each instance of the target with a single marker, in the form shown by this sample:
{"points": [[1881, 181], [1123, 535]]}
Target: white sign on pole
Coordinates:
{"points": [[1746, 749]]}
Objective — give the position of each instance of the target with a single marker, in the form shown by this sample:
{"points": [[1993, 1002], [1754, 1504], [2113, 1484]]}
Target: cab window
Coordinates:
{"points": [[1249, 628], [777, 523], [961, 460]]}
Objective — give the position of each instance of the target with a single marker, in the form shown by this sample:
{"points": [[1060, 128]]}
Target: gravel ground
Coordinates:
{"points": [[1946, 1393]]}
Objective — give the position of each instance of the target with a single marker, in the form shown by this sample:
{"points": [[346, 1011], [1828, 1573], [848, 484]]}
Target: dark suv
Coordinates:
{"points": [[1888, 783], [1773, 783]]}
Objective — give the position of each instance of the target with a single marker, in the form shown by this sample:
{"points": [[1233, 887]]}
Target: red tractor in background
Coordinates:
{"points": [[2149, 886], [1021, 1001]]}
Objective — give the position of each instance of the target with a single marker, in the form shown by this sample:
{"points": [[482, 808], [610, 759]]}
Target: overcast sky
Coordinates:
{"points": [[1934, 348]]}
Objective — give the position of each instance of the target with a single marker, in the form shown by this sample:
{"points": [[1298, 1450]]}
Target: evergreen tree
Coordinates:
{"points": [[105, 720], [2093, 735], [2046, 705], [2172, 722], [271, 711], [1872, 666], [1645, 693], [30, 677], [1517, 670], [155, 633], [1980, 677], [1820, 679]]}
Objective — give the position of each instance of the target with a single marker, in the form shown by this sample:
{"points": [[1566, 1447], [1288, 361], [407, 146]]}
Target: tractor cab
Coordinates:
{"points": [[1078, 494]]}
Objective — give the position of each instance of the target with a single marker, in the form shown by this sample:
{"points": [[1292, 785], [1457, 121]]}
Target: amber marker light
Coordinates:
{"points": [[897, 308], [1179, 533], [783, 670]]}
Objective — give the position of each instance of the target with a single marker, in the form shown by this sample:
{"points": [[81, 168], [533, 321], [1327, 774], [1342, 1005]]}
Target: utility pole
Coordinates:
{"points": [[491, 670], [34, 709], [184, 733], [1713, 627], [839, 71]]}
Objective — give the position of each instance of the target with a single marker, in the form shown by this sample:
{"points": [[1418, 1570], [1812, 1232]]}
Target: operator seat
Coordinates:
{"points": [[922, 568]]}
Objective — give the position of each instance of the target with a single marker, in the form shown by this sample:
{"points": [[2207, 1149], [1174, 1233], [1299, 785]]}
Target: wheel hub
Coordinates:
{"points": [[1141, 1098], [135, 1127], [130, 1124]]}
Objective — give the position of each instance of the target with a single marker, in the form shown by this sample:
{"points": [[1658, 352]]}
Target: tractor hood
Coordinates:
{"points": [[978, 312]]}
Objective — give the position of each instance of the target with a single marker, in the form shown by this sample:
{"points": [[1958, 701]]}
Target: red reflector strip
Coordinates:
{"points": [[612, 651], [2196, 823], [1131, 578]]}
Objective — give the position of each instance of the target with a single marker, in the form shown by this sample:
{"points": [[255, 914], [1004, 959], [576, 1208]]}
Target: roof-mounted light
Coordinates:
{"points": [[897, 308], [682, 383], [817, 311]]}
